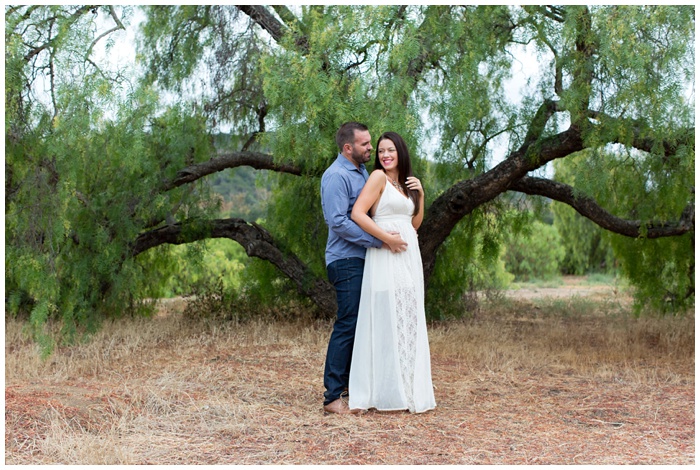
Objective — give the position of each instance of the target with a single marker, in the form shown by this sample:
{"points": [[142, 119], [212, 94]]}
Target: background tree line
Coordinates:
{"points": [[107, 170]]}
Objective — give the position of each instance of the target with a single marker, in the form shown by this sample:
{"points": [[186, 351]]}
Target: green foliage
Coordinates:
{"points": [[471, 260], [181, 33], [645, 187], [661, 271], [211, 300], [244, 193], [82, 188], [311, 117], [298, 223], [587, 249], [295, 215], [267, 294], [212, 261], [534, 253], [87, 151], [470, 100], [204, 54], [630, 66]]}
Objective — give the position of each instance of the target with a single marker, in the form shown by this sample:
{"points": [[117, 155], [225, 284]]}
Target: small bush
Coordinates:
{"points": [[535, 253]]}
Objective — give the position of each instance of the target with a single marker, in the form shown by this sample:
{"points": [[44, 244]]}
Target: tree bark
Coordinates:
{"points": [[465, 196], [264, 19], [588, 208], [257, 242], [224, 161]]}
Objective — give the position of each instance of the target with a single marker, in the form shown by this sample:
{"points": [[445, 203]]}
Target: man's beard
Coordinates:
{"points": [[359, 157]]}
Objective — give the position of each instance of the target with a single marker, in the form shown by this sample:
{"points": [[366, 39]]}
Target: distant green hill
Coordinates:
{"points": [[244, 191]]}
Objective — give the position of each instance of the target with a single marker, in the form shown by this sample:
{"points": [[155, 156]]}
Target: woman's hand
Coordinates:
{"points": [[413, 184]]}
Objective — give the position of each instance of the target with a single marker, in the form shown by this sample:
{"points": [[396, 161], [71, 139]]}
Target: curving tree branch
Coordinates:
{"points": [[465, 196], [637, 131], [264, 19], [117, 26], [267, 21], [259, 161], [72, 19], [256, 241], [590, 209]]}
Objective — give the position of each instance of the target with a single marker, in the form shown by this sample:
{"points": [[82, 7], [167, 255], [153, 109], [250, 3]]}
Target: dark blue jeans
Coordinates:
{"points": [[346, 277]]}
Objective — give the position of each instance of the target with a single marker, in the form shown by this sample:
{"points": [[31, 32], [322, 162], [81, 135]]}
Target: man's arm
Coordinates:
{"points": [[335, 201]]}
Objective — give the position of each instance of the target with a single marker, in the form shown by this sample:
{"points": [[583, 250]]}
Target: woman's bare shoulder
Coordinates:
{"points": [[378, 175], [376, 182]]}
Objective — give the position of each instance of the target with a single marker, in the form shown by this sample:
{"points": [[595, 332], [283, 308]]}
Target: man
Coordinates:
{"points": [[345, 253]]}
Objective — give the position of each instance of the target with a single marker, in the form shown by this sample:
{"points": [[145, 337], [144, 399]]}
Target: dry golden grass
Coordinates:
{"points": [[553, 381]]}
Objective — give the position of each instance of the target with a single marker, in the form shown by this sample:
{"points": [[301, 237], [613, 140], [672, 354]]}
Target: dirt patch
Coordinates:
{"points": [[30, 408], [525, 389], [571, 286], [491, 419]]}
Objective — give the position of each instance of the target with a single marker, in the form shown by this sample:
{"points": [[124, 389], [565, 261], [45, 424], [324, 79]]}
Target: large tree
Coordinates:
{"points": [[611, 82]]}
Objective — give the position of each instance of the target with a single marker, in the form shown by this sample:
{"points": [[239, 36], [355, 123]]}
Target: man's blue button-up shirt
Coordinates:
{"points": [[341, 184]]}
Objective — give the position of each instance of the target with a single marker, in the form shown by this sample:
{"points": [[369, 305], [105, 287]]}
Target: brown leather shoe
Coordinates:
{"points": [[338, 406]]}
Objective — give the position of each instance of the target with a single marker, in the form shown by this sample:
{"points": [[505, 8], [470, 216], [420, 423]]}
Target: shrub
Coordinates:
{"points": [[534, 253]]}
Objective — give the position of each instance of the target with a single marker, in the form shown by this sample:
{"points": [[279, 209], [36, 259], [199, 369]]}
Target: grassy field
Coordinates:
{"points": [[531, 379]]}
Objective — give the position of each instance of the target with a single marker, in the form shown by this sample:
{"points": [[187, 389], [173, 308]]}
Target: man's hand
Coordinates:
{"points": [[396, 244]]}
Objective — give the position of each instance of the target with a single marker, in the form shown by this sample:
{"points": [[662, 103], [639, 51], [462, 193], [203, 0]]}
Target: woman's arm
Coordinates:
{"points": [[370, 194]]}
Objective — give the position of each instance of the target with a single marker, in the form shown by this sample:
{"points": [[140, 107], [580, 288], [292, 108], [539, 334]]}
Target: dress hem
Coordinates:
{"points": [[390, 410]]}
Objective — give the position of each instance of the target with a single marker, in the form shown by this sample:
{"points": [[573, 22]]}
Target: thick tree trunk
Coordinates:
{"points": [[462, 198]]}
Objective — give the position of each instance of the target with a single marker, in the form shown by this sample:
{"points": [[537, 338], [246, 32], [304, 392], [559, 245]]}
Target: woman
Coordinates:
{"points": [[390, 368]]}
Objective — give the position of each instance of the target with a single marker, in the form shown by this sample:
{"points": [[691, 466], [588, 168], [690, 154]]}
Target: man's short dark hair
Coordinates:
{"points": [[346, 133]]}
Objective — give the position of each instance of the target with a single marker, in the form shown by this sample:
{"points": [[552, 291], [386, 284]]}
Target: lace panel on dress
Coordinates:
{"points": [[407, 324]]}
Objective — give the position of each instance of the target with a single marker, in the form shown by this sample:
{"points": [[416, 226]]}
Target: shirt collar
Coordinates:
{"points": [[344, 162]]}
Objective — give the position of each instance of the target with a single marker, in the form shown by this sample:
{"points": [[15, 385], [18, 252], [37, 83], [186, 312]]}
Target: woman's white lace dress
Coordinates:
{"points": [[390, 367]]}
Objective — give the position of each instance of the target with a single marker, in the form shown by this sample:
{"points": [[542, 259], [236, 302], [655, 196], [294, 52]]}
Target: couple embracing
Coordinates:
{"points": [[378, 354]]}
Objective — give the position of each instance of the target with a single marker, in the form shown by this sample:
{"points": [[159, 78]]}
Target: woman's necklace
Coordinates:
{"points": [[396, 185]]}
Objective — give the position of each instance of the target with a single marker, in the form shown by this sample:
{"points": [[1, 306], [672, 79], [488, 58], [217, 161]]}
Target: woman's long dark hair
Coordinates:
{"points": [[404, 165]]}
